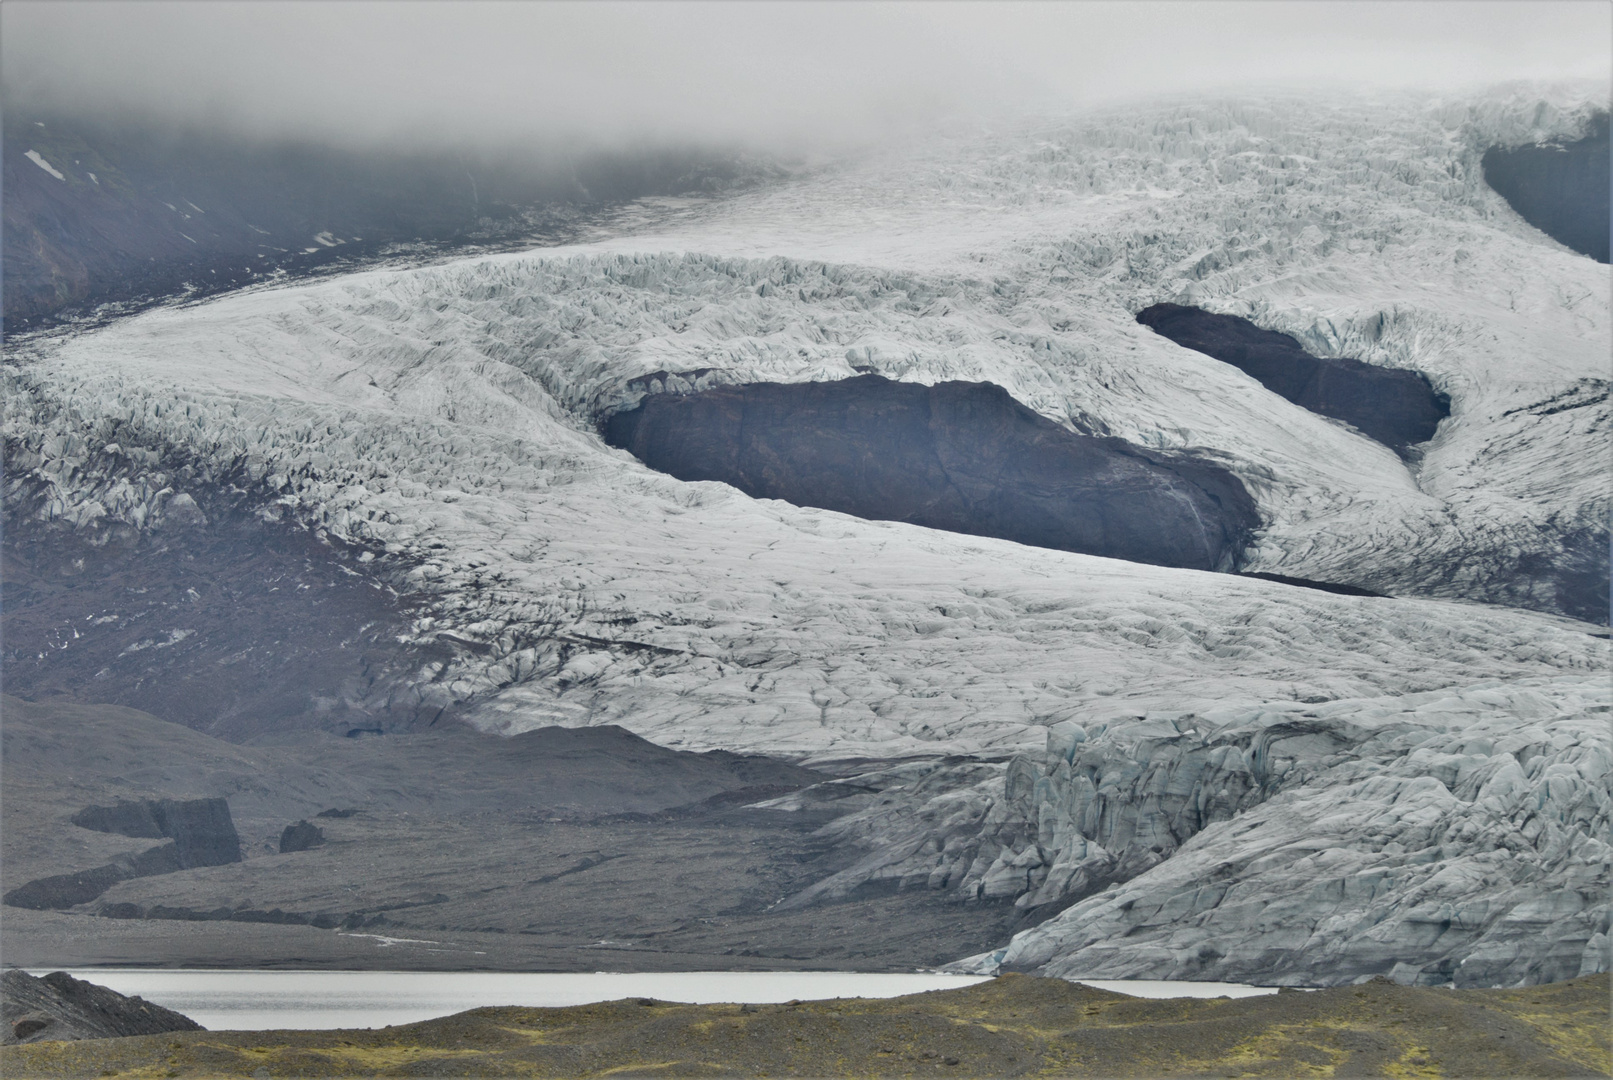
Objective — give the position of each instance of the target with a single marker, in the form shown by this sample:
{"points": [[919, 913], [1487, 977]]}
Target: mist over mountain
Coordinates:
{"points": [[130, 211], [786, 77]]}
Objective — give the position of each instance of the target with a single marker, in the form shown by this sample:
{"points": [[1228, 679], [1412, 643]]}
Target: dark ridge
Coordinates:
{"points": [[1563, 189], [1323, 586], [1397, 408], [965, 457], [60, 891], [59, 1007], [201, 833], [202, 830]]}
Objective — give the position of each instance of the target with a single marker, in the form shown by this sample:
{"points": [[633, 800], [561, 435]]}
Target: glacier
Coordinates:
{"points": [[446, 419]]}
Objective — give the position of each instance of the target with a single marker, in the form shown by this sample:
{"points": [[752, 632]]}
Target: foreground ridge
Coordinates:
{"points": [[1015, 1025]]}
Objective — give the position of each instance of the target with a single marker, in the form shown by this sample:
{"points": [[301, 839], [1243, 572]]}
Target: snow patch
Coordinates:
{"points": [[34, 156]]}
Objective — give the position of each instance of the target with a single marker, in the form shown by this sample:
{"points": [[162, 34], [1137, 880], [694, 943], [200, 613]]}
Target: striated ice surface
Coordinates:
{"points": [[446, 418]]}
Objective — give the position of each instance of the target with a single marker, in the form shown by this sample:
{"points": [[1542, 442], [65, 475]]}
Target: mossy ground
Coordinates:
{"points": [[1012, 1026]]}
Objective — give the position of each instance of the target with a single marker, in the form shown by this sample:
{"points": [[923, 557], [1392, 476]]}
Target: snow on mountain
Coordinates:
{"points": [[447, 417]]}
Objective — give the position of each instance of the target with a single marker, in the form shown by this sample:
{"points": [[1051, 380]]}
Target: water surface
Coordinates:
{"points": [[262, 1000]]}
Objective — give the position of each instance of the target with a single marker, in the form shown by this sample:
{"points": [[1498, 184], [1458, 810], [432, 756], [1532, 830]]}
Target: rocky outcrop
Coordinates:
{"points": [[1561, 188], [302, 836], [67, 890], [1397, 408], [201, 829], [201, 832], [965, 457], [60, 1007]]}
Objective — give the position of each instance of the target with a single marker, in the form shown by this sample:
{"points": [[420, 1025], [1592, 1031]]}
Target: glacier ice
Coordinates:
{"points": [[1455, 836], [446, 419]]}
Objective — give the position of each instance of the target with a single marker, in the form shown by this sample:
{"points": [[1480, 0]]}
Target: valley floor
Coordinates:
{"points": [[455, 851]]}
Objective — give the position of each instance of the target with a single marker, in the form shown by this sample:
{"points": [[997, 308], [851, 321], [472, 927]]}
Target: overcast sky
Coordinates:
{"points": [[777, 72]]}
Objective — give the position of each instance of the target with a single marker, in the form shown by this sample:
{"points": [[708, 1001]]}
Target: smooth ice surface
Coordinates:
{"points": [[267, 1000]]}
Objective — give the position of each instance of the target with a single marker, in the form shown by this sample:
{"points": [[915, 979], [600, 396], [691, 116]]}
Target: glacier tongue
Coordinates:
{"points": [[1459, 835], [446, 419]]}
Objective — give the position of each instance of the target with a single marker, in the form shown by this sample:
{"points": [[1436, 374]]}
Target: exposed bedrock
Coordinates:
{"points": [[201, 833], [60, 1007], [302, 836], [1397, 408], [61, 891], [965, 457], [1561, 188], [1457, 835], [191, 594], [202, 830]]}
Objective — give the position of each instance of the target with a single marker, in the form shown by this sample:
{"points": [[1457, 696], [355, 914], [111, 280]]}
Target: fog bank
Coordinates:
{"points": [[778, 75]]}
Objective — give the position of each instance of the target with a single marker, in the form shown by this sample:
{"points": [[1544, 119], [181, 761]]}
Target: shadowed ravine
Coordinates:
{"points": [[965, 457]]}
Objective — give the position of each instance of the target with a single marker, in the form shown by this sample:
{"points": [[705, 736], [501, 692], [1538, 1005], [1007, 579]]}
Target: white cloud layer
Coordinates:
{"points": [[779, 74]]}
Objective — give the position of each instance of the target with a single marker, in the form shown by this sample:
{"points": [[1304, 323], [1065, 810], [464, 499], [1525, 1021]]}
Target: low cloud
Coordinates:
{"points": [[803, 75]]}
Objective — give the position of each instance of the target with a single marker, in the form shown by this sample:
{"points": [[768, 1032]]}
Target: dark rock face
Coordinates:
{"points": [[201, 832], [262, 626], [965, 457], [1397, 408], [301, 837], [201, 829], [124, 818], [60, 1007], [1562, 189], [67, 890]]}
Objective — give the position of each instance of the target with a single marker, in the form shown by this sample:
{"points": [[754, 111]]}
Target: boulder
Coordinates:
{"points": [[301, 837]]}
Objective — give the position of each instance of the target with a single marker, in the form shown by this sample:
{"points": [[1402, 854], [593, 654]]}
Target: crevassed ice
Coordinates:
{"points": [[1269, 777], [449, 414]]}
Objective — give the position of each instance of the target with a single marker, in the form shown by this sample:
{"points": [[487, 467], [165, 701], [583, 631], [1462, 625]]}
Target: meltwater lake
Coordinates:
{"points": [[262, 1000]]}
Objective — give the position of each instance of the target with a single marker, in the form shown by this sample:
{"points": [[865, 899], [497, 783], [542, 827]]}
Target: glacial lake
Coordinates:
{"points": [[261, 1000]]}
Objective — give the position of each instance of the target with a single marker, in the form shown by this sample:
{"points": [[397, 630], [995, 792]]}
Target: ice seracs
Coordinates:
{"points": [[1456, 836]]}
